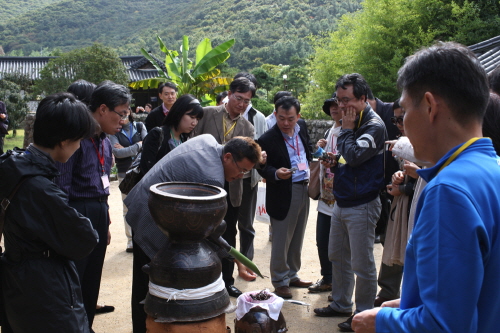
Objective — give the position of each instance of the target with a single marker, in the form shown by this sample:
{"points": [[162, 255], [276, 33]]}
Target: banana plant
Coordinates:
{"points": [[200, 78]]}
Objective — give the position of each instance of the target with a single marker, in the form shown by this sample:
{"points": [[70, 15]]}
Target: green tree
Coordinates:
{"points": [[200, 78], [95, 64], [375, 40], [14, 93]]}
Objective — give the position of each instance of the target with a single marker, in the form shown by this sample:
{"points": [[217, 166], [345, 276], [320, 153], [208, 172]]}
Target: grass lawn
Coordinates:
{"points": [[10, 142]]}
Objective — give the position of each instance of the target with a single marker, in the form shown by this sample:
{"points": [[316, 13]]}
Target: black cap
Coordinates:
{"points": [[326, 104]]}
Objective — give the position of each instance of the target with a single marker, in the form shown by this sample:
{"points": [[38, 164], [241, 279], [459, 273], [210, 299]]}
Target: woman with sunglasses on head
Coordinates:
{"points": [[126, 145], [178, 124]]}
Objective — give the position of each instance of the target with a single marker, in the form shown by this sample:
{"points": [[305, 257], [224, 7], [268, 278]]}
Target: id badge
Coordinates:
{"points": [[105, 181], [302, 166]]}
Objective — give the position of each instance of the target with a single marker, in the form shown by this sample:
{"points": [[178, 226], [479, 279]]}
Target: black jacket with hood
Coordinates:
{"points": [[41, 289]]}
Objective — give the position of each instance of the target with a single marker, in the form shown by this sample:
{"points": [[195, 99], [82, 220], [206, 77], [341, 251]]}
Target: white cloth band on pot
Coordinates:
{"points": [[186, 294]]}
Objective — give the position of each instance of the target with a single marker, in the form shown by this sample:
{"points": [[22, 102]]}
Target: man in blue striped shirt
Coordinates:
{"points": [[85, 178]]}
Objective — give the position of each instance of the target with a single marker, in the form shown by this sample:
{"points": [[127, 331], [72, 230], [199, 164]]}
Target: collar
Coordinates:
{"points": [[296, 131], [431, 172], [229, 116], [37, 152], [245, 114], [164, 108]]}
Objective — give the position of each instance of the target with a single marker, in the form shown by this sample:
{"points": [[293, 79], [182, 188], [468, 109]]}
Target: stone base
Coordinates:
{"points": [[214, 325]]}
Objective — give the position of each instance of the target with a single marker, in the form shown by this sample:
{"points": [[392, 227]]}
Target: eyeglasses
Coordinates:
{"points": [[397, 120], [122, 116], [241, 100], [343, 100], [242, 171]]}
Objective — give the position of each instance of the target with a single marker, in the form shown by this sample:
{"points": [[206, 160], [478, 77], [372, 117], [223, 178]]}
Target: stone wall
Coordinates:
{"points": [[317, 129]]}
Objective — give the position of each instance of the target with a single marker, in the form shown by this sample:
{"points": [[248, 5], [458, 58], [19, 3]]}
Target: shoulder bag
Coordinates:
{"points": [[133, 175]]}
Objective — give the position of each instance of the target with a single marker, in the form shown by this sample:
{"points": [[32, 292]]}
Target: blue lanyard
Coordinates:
{"points": [[129, 135]]}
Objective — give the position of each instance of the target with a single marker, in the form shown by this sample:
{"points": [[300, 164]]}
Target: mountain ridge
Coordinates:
{"points": [[266, 31]]}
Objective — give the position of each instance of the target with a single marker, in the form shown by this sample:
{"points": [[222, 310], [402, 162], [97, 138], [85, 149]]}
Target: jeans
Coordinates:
{"points": [[352, 237]]}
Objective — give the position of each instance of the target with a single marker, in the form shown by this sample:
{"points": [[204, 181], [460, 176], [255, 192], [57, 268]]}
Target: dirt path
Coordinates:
{"points": [[117, 276]]}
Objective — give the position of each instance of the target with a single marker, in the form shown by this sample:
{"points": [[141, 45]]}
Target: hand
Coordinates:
{"points": [[244, 272], [349, 118], [398, 178], [2, 115], [283, 173], [391, 144], [109, 237], [263, 157], [410, 169], [393, 190], [331, 162], [395, 303], [364, 322], [321, 143], [118, 146]]}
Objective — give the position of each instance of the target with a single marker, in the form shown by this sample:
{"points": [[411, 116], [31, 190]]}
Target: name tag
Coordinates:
{"points": [[105, 181], [302, 166]]}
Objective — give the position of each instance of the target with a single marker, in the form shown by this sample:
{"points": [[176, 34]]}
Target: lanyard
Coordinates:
{"points": [[292, 146], [229, 130], [360, 117], [99, 156], [458, 152]]}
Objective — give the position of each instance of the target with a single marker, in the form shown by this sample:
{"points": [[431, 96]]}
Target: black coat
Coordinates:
{"points": [[279, 192], [41, 292], [155, 118]]}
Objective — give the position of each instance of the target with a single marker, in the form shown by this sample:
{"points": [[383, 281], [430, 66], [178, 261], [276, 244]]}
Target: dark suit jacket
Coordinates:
{"points": [[279, 192], [155, 118]]}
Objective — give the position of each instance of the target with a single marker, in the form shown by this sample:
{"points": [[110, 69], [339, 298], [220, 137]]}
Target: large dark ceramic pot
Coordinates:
{"points": [[187, 213]]}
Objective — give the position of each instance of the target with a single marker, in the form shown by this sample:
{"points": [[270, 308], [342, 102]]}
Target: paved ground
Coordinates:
{"points": [[117, 277]]}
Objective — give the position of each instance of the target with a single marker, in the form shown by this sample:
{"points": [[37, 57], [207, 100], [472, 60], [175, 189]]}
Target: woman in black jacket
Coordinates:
{"points": [[179, 122], [43, 235]]}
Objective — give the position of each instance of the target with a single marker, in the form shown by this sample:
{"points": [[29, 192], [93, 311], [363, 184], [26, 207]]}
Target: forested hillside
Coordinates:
{"points": [[11, 9], [266, 31]]}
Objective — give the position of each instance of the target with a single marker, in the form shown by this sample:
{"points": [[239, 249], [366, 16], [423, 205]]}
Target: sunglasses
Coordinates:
{"points": [[397, 120]]}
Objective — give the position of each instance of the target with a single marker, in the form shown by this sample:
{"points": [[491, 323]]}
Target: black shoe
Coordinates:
{"points": [[346, 325], [104, 309], [329, 312], [233, 291]]}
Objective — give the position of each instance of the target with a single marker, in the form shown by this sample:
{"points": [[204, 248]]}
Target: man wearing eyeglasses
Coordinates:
{"points": [[287, 202], [357, 185], [85, 178], [225, 122]]}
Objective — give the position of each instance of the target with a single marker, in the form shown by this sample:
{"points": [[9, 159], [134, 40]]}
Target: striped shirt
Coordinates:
{"points": [[81, 175]]}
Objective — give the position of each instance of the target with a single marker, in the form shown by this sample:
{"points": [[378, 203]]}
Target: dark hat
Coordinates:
{"points": [[326, 104]]}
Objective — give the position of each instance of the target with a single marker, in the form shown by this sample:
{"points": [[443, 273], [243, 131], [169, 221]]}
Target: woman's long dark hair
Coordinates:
{"points": [[186, 104]]}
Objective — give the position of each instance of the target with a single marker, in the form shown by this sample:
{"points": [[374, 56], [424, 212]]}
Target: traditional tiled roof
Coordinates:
{"points": [[138, 67], [488, 53]]}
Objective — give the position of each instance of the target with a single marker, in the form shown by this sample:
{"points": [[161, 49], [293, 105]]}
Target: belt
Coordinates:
{"points": [[39, 255], [302, 182]]}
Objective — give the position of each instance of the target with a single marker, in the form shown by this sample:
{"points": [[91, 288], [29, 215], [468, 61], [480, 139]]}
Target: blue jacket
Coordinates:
{"points": [[360, 180], [452, 267]]}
